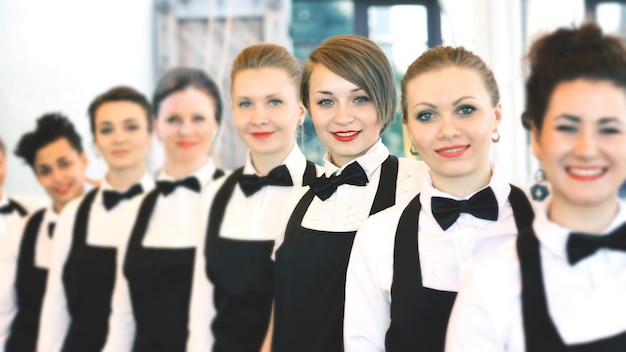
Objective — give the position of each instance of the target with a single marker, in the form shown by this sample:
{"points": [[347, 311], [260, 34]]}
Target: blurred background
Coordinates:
{"points": [[58, 55]]}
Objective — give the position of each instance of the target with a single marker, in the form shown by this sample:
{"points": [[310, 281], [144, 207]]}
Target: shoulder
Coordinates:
{"points": [[29, 202]]}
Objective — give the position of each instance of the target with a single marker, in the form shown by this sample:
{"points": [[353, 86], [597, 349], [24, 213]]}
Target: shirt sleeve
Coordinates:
{"points": [[55, 317], [201, 310], [122, 324], [471, 326], [9, 251], [367, 303]]}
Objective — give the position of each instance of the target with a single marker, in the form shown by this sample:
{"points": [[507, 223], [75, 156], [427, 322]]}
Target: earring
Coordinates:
{"points": [[414, 150], [539, 191], [495, 136]]}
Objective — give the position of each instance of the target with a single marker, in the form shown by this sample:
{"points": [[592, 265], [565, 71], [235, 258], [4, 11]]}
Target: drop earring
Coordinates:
{"points": [[413, 150], [539, 191], [495, 136]]}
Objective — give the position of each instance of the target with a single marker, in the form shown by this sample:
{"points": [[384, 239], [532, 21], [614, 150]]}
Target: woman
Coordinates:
{"points": [[349, 88], [235, 258], [77, 304], [410, 261], [54, 151], [151, 298], [554, 289]]}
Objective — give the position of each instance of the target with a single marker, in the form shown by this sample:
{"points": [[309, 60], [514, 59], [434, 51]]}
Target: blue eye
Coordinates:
{"points": [[275, 102], [425, 116], [325, 102], [466, 110], [245, 104], [198, 118], [361, 99]]}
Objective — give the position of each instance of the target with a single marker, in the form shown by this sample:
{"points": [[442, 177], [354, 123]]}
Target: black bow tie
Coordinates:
{"points": [[324, 187], [581, 245], [167, 187], [51, 226], [279, 176], [7, 209], [111, 198], [482, 205]]}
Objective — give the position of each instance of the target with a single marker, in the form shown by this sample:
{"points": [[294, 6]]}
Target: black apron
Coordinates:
{"points": [[88, 278], [311, 270], [419, 315], [159, 283], [30, 285], [539, 330], [242, 273]]}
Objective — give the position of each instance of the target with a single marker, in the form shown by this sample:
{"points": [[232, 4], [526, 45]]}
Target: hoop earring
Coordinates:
{"points": [[539, 191], [413, 150], [495, 136]]}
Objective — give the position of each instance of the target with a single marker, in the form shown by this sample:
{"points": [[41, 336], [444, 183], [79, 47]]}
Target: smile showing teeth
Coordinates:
{"points": [[346, 134], [455, 150], [586, 172]]}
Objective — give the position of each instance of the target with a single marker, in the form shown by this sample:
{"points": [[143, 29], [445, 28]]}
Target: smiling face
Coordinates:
{"points": [[121, 134], [186, 124], [450, 121], [267, 111], [582, 143], [344, 116], [60, 170]]}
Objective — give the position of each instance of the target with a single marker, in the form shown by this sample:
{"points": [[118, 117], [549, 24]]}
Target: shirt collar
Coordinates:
{"points": [[146, 182], [295, 162], [204, 174], [554, 236], [370, 161], [498, 183], [4, 200]]}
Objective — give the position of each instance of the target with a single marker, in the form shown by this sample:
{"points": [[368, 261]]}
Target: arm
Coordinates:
{"points": [[472, 326], [55, 318], [368, 281], [122, 325], [201, 310], [9, 249], [267, 343]]}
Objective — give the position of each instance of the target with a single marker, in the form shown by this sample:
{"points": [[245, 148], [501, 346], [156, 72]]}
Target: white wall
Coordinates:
{"points": [[57, 56]]}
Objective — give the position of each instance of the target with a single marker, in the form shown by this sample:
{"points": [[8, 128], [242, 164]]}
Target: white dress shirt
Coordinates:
{"points": [[105, 228], [263, 221], [445, 256], [9, 256], [176, 222], [349, 207], [585, 301], [29, 203]]}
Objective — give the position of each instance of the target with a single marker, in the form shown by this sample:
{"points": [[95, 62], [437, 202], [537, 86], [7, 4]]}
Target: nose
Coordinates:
{"points": [[585, 143], [259, 116], [185, 128], [448, 128], [118, 136], [343, 115]]}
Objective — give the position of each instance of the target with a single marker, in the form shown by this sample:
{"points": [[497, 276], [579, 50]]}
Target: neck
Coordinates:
{"points": [[462, 186], [123, 179], [582, 218], [178, 170], [264, 163]]}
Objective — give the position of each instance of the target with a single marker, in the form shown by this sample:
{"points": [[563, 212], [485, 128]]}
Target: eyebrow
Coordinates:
{"points": [[326, 92], [454, 103]]}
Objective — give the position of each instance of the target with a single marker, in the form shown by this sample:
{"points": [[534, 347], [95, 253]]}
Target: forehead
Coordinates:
{"points": [[444, 83], [116, 110], [588, 99], [259, 80], [323, 78], [189, 98], [51, 152]]}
